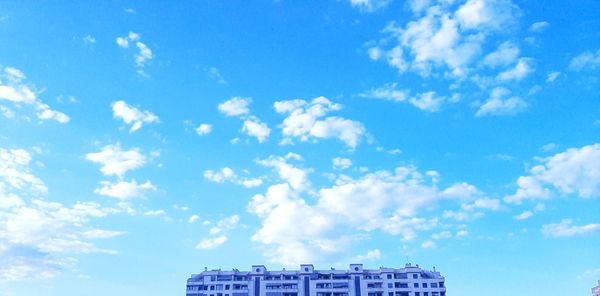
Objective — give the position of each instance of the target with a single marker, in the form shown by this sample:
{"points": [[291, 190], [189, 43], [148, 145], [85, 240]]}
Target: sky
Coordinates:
{"points": [[142, 141]]}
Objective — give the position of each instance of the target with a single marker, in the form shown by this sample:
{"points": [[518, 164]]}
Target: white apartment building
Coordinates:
{"points": [[596, 290], [408, 281]]}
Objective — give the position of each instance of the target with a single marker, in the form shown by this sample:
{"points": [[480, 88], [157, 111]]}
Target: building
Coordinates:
{"points": [[407, 281], [596, 290]]}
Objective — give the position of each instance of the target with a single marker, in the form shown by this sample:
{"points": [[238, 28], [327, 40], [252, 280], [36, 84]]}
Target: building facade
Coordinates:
{"points": [[407, 281], [596, 290]]}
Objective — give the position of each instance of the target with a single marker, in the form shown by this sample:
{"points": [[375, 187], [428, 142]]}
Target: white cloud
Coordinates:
{"points": [[225, 224], [193, 219], [539, 26], [340, 214], [116, 161], [506, 54], [427, 101], [124, 190], [370, 255], [218, 233], [523, 216], [235, 106], [38, 238], [144, 53], [306, 120], [251, 183], [462, 233], [102, 234], [6, 112], [574, 171], [204, 129], [586, 60], [369, 5], [428, 245], [211, 243], [220, 176], [15, 89], [522, 69], [341, 163], [388, 92], [122, 42], [89, 39], [15, 172], [296, 177], [132, 115], [447, 37], [215, 74], [552, 76], [565, 228], [255, 128], [154, 213], [228, 175], [498, 104]]}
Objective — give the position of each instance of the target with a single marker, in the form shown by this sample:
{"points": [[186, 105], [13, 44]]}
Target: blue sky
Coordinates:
{"points": [[142, 141]]}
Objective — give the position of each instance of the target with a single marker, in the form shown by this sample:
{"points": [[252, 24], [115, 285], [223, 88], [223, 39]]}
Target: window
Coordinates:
{"points": [[355, 268], [390, 285], [415, 276], [390, 293], [416, 285], [212, 288], [417, 293], [434, 285], [425, 293], [441, 284], [226, 287], [424, 285], [389, 276]]}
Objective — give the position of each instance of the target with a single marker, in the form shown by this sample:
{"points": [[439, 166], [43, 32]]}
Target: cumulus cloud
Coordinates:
{"points": [[15, 89], [522, 69], [565, 228], [539, 26], [586, 60], [446, 37], [193, 219], [132, 116], [255, 128], [124, 190], [143, 54], [498, 104], [370, 255], [211, 243], [39, 238], [575, 171], [154, 213], [306, 121], [296, 177], [115, 161], [252, 125], [341, 163], [204, 129], [344, 212], [226, 174], [427, 101], [235, 106], [506, 54], [369, 5], [552, 76], [218, 234]]}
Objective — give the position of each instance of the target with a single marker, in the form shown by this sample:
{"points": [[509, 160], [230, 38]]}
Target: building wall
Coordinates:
{"points": [[596, 290], [407, 281]]}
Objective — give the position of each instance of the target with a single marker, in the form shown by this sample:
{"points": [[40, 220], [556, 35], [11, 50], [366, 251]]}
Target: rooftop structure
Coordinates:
{"points": [[596, 290], [356, 281]]}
